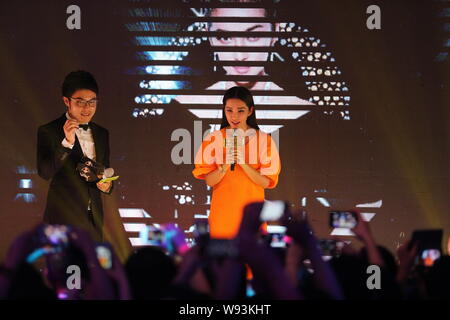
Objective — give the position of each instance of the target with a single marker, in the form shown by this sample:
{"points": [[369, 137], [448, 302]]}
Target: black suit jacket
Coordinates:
{"points": [[68, 195]]}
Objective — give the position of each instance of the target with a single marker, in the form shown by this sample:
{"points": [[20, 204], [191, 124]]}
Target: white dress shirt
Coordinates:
{"points": [[86, 141]]}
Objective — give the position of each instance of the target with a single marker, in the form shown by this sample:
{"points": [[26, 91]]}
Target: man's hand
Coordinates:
{"points": [[69, 130], [104, 186]]}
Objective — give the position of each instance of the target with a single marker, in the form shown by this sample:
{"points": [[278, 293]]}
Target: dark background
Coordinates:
{"points": [[395, 148]]}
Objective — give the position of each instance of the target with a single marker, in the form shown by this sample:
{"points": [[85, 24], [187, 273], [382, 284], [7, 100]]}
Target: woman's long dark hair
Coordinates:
{"points": [[244, 95]]}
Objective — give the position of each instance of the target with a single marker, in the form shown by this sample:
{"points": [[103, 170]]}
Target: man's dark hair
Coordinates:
{"points": [[27, 284], [77, 80], [150, 272]]}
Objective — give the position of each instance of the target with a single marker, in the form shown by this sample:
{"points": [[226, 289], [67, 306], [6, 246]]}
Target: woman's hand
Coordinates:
{"points": [[234, 155], [238, 156]]}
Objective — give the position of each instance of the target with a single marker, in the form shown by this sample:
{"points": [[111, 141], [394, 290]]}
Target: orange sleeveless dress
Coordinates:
{"points": [[236, 189]]}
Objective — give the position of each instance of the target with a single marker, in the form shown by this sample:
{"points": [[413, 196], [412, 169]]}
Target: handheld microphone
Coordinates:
{"points": [[234, 148]]}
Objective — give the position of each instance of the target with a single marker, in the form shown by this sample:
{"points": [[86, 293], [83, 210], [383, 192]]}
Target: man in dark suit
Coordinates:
{"points": [[62, 144]]}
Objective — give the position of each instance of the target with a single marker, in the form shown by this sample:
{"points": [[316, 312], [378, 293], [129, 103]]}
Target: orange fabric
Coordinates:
{"points": [[236, 189]]}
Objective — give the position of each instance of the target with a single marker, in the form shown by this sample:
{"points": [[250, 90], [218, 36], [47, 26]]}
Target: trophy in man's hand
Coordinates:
{"points": [[92, 171]]}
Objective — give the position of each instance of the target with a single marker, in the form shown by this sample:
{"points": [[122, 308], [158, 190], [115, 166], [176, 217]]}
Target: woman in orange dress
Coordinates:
{"points": [[238, 162]]}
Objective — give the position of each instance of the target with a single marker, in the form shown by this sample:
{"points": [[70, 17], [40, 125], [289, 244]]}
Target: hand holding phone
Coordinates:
{"points": [[353, 220], [428, 244], [272, 210], [256, 213], [277, 236], [104, 255], [201, 232], [222, 248], [151, 236], [343, 219], [201, 228], [54, 235], [331, 247]]}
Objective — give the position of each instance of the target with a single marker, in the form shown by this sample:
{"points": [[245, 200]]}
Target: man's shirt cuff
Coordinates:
{"points": [[66, 144]]}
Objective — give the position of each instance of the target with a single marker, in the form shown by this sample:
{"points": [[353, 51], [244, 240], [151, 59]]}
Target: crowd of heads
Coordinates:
{"points": [[42, 264]]}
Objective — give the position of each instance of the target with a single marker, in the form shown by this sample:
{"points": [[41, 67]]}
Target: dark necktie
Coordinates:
{"points": [[84, 126]]}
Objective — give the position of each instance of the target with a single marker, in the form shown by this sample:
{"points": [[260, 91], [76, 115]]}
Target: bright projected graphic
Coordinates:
{"points": [[202, 45], [185, 58], [361, 114]]}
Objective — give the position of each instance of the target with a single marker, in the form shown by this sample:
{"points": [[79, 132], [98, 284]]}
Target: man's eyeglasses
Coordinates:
{"points": [[83, 103]]}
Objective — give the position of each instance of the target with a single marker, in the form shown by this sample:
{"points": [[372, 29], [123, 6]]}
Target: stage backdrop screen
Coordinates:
{"points": [[356, 102]]}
